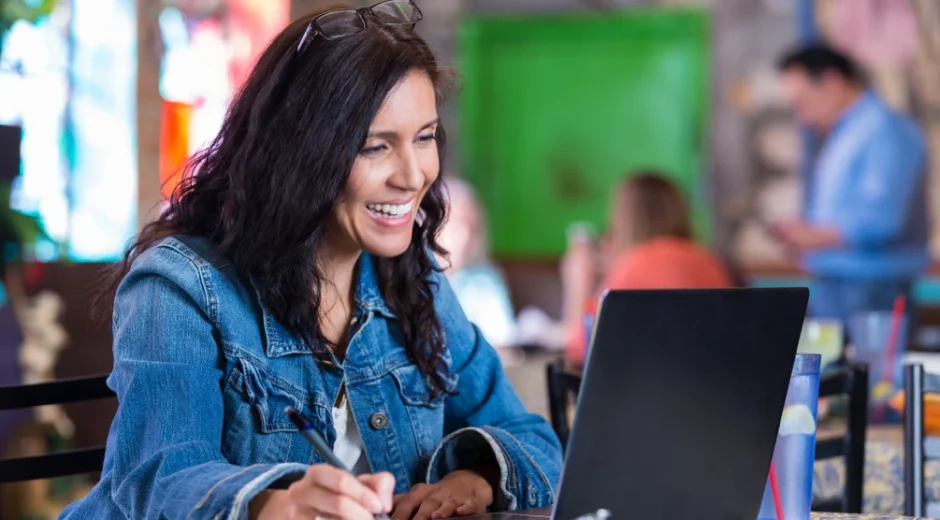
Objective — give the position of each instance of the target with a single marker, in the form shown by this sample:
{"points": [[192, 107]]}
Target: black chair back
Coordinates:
{"points": [[852, 382], [53, 465], [563, 386], [917, 383]]}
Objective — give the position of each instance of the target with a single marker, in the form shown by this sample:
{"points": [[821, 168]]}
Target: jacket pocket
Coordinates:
{"points": [[267, 398], [415, 387], [425, 410], [255, 404]]}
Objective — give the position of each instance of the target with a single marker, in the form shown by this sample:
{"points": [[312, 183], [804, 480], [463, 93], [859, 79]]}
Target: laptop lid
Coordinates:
{"points": [[680, 403]]}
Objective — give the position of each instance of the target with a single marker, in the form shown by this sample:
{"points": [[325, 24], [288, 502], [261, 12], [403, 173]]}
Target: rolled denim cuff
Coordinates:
{"points": [[228, 498], [467, 448]]}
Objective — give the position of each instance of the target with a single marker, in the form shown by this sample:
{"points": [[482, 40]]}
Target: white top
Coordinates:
{"points": [[348, 445]]}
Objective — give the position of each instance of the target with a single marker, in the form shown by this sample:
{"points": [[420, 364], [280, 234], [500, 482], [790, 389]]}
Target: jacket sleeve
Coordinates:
{"points": [[164, 447], [485, 419]]}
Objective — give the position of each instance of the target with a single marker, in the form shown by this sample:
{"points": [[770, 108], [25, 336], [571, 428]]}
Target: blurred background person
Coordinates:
{"points": [[650, 246], [478, 282], [863, 237]]}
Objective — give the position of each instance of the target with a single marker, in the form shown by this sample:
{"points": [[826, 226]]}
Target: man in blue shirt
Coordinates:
{"points": [[863, 236]]}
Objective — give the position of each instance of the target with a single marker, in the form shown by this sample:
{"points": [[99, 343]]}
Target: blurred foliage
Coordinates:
{"points": [[29, 10], [15, 226], [18, 231]]}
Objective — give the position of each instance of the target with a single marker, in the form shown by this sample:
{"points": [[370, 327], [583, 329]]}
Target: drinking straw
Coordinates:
{"points": [[775, 491], [897, 315]]}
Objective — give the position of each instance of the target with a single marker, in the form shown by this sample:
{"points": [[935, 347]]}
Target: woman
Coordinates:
{"points": [[294, 268], [650, 247], [478, 284]]}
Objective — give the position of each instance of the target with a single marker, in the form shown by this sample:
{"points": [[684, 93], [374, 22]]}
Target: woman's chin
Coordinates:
{"points": [[388, 248]]}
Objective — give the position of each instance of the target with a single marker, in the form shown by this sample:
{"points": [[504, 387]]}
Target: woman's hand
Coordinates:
{"points": [[460, 493], [327, 492]]}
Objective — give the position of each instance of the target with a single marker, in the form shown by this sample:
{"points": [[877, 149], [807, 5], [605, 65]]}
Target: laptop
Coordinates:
{"points": [[680, 404]]}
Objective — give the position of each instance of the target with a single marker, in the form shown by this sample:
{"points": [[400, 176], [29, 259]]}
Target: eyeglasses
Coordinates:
{"points": [[340, 23]]}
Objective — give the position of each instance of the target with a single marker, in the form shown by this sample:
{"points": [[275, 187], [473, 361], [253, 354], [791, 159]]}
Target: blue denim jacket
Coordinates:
{"points": [[203, 373]]}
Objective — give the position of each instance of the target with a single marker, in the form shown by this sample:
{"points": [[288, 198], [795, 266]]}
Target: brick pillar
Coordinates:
{"points": [[148, 110], [439, 29]]}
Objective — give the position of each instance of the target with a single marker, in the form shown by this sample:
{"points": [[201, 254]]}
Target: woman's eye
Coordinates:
{"points": [[373, 150], [427, 138]]}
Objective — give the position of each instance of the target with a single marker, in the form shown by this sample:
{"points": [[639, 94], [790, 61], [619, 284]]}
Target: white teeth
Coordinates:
{"points": [[391, 210]]}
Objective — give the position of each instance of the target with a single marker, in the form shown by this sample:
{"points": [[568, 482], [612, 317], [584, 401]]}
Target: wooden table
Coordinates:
{"points": [[546, 513], [835, 516]]}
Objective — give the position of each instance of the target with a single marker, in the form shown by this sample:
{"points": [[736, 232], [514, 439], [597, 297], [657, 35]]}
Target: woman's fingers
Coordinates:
{"points": [[383, 484], [344, 484], [428, 506], [329, 504], [332, 493], [405, 505], [447, 509], [473, 507]]}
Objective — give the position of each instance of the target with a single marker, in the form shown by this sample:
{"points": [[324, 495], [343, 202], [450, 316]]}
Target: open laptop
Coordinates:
{"points": [[680, 404]]}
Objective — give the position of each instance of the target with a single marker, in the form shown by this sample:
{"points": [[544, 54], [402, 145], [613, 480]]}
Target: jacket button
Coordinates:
{"points": [[378, 421]]}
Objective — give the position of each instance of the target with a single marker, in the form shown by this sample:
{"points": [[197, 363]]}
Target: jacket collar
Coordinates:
{"points": [[279, 341], [368, 294]]}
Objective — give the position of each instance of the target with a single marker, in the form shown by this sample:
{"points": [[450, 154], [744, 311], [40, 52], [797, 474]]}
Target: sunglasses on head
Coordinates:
{"points": [[340, 23]]}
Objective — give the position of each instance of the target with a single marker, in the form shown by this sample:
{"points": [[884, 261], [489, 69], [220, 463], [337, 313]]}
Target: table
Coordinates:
{"points": [[884, 477], [532, 514]]}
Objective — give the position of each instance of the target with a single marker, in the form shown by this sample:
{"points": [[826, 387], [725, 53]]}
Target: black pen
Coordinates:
{"points": [[310, 434]]}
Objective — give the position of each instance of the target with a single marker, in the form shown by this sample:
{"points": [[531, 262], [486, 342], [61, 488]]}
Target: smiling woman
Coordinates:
{"points": [[396, 167], [294, 268]]}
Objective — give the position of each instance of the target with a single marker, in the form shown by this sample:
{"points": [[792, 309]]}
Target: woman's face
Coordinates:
{"points": [[391, 174]]}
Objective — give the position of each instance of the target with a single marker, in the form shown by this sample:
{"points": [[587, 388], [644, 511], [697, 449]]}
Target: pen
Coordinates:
{"points": [[307, 431]]}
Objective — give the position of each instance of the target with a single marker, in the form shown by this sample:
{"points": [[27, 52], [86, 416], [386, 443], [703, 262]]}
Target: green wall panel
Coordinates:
{"points": [[555, 110]]}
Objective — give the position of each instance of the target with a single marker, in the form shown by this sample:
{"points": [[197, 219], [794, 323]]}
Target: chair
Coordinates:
{"points": [[563, 386], [53, 465], [916, 384], [852, 382]]}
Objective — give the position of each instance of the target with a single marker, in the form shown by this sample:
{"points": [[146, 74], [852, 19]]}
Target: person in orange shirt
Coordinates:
{"points": [[650, 247]]}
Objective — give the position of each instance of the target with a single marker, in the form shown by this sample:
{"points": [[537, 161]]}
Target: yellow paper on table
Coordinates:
{"points": [[823, 337], [882, 391]]}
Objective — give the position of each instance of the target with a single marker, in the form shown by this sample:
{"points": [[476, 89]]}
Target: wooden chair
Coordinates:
{"points": [[73, 462], [853, 383], [563, 387]]}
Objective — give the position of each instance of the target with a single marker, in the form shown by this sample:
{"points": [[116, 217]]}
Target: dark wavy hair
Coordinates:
{"points": [[264, 189]]}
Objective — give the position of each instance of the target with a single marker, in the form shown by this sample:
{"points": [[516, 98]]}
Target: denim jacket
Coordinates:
{"points": [[203, 373]]}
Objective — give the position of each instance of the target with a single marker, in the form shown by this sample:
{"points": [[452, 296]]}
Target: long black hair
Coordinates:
{"points": [[264, 189]]}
